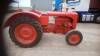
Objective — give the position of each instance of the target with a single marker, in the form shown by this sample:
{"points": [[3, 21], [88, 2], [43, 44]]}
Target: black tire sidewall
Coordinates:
{"points": [[27, 20], [73, 32]]}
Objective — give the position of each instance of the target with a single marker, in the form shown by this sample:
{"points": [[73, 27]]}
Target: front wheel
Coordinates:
{"points": [[25, 31], [74, 37]]}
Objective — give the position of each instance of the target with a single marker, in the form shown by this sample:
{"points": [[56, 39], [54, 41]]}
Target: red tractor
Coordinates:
{"points": [[26, 27]]}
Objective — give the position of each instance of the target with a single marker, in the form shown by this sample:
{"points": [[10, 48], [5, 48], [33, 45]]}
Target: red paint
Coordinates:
{"points": [[44, 19], [62, 20], [73, 39], [25, 33]]}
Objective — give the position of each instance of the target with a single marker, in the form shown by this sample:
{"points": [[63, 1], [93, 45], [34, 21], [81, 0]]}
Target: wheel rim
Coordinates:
{"points": [[25, 33], [74, 39]]}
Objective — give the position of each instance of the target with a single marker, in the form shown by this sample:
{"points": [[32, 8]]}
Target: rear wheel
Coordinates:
{"points": [[25, 31], [74, 37]]}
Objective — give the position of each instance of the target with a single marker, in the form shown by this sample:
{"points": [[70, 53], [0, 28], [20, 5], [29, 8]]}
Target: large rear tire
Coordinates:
{"points": [[25, 31]]}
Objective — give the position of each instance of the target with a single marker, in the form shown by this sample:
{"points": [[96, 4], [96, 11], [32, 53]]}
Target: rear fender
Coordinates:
{"points": [[14, 16]]}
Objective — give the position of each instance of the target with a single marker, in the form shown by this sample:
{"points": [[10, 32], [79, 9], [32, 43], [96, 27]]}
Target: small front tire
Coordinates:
{"points": [[74, 37]]}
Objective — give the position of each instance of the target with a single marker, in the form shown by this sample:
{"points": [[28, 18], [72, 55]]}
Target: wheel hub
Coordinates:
{"points": [[73, 39], [25, 33]]}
